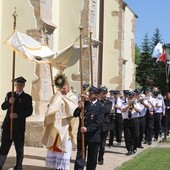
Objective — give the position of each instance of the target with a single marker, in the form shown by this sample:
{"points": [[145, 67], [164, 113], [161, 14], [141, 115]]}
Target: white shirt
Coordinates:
{"points": [[143, 108], [119, 104], [152, 103], [134, 113], [159, 105]]}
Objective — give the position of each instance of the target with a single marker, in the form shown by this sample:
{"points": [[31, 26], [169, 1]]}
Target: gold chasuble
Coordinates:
{"points": [[60, 125]]}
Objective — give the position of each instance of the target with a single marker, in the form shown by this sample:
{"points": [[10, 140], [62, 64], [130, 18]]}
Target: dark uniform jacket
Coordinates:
{"points": [[94, 118], [108, 106], [22, 107]]}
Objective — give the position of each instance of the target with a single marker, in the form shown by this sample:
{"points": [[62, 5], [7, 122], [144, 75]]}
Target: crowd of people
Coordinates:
{"points": [[140, 116]]}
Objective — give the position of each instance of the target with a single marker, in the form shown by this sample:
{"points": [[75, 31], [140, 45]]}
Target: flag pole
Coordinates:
{"points": [[13, 75], [167, 87], [91, 59], [81, 87], [51, 71]]}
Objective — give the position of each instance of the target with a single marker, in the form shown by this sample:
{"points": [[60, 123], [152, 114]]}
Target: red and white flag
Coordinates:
{"points": [[162, 58], [157, 51]]}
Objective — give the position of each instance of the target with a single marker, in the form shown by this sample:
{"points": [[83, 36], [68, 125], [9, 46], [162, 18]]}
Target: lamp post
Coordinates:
{"points": [[166, 48]]}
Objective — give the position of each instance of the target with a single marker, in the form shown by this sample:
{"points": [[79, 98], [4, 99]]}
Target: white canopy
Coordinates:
{"points": [[34, 51]]}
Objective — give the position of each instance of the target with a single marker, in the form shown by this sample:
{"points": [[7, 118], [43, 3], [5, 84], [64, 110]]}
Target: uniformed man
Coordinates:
{"points": [[159, 111], [149, 116], [79, 162], [106, 125], [130, 112], [22, 103], [144, 105], [116, 106], [94, 117]]}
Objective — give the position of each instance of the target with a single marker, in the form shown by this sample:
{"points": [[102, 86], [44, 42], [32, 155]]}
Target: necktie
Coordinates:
{"points": [[130, 113], [115, 105]]}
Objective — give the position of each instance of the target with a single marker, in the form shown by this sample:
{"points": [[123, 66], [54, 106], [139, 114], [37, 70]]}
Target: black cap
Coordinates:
{"points": [[131, 93], [94, 90], [137, 91], [116, 92], [20, 80], [126, 92], [86, 85], [103, 89], [111, 91]]}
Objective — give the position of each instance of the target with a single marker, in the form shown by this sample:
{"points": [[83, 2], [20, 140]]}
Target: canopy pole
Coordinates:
{"points": [[13, 75], [91, 59], [81, 87]]}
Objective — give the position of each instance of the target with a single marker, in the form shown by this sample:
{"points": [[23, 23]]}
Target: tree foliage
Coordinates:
{"points": [[150, 73], [137, 55], [144, 67], [155, 38]]}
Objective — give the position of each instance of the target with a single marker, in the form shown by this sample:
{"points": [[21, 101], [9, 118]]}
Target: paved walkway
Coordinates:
{"points": [[35, 157]]}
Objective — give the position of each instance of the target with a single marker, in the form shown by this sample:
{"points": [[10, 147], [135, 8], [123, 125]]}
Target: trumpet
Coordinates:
{"points": [[131, 103]]}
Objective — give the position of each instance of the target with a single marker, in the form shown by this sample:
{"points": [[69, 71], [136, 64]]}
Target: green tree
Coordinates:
{"points": [[159, 73], [137, 55], [155, 38], [144, 70]]}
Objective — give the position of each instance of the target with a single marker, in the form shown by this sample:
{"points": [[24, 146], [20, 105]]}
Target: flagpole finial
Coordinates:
{"points": [[15, 13], [15, 16]]}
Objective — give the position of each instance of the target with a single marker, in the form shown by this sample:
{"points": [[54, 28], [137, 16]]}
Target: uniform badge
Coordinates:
{"points": [[92, 116]]}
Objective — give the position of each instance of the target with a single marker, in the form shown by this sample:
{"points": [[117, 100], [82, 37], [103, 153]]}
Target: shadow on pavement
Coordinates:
{"points": [[10, 163], [121, 153], [34, 157]]}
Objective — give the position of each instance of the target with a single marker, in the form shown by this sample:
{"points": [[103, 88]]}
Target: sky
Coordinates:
{"points": [[151, 14]]}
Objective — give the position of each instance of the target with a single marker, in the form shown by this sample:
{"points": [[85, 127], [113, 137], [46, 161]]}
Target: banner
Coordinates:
{"points": [[34, 51], [29, 48], [67, 57]]}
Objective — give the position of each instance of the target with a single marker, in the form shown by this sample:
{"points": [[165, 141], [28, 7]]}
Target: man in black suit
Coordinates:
{"points": [[94, 117], [22, 108], [106, 124]]}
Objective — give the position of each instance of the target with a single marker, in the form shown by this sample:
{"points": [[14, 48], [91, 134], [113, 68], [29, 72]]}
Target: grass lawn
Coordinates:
{"points": [[150, 159]]}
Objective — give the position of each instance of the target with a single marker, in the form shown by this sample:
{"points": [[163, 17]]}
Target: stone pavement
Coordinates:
{"points": [[35, 157]]}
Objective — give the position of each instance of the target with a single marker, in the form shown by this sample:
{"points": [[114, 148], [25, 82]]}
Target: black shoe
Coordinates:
{"points": [[17, 167], [100, 162], [110, 145], [140, 146], [129, 153], [149, 143]]}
